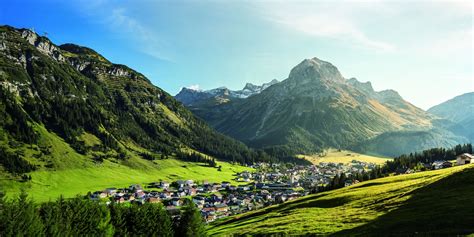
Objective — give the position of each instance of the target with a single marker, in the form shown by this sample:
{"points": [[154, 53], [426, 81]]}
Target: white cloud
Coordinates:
{"points": [[335, 21], [453, 42]]}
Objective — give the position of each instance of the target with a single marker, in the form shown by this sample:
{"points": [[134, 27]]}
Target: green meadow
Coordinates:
{"points": [[343, 156], [75, 174], [46, 185], [433, 202]]}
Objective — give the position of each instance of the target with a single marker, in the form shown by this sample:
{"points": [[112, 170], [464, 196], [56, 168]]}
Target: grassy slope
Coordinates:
{"points": [[47, 185], [74, 173], [335, 156], [429, 202]]}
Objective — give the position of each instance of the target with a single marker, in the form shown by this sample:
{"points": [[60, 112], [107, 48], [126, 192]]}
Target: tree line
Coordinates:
{"points": [[412, 160], [83, 217], [406, 161]]}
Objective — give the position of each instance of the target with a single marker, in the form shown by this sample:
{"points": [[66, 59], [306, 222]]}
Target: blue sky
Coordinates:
{"points": [[422, 49]]}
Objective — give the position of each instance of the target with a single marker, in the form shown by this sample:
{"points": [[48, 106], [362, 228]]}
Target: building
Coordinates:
{"points": [[464, 159]]}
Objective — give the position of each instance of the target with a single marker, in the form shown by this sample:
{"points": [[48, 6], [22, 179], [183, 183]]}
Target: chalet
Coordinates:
{"points": [[464, 159], [153, 200], [177, 202], [128, 197], [198, 200], [222, 207], [180, 183], [111, 191], [210, 218], [119, 199], [139, 194], [165, 195], [98, 195], [225, 184], [135, 187], [189, 190], [164, 185]]}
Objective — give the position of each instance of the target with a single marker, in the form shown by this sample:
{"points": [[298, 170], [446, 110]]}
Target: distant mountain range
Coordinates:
{"points": [[219, 95], [316, 108], [460, 113]]}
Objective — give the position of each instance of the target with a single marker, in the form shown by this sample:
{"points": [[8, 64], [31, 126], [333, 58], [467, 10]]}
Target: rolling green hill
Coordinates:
{"points": [[426, 203]]}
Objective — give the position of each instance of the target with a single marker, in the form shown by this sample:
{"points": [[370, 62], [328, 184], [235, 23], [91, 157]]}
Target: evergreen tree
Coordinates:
{"points": [[191, 223], [21, 218]]}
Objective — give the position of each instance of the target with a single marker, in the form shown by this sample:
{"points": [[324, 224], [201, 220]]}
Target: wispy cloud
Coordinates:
{"points": [[120, 21], [324, 20]]}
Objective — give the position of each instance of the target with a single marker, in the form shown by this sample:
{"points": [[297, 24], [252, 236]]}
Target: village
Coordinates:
{"points": [[268, 184]]}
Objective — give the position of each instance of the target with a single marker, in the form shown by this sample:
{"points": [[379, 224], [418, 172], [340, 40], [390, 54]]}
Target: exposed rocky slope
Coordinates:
{"points": [[314, 107]]}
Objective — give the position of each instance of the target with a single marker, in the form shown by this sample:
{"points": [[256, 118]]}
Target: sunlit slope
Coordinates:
{"points": [[73, 173], [343, 156], [427, 203]]}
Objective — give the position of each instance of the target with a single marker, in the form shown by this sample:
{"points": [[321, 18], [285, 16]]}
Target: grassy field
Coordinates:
{"points": [[343, 156], [46, 185], [427, 203], [74, 174]]}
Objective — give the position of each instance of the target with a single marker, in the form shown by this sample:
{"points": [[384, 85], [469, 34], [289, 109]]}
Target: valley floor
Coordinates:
{"points": [[432, 202], [49, 185], [343, 156]]}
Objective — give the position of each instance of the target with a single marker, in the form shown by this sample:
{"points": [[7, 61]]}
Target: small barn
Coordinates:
{"points": [[464, 159]]}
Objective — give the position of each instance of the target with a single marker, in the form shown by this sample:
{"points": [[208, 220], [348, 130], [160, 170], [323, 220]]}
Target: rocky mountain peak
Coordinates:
{"points": [[43, 44], [366, 87], [389, 94], [250, 86], [315, 70]]}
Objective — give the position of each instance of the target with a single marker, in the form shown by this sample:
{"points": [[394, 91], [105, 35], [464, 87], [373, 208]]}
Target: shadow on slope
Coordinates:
{"points": [[445, 207]]}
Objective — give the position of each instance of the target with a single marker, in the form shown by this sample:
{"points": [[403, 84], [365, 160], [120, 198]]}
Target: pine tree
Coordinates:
{"points": [[190, 223], [23, 218]]}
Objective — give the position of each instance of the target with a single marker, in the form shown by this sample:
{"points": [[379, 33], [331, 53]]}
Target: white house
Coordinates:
{"points": [[465, 158]]}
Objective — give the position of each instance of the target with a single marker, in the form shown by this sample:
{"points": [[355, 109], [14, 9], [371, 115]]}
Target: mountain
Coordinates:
{"points": [[410, 141], [459, 109], [460, 113], [314, 108], [104, 111], [190, 97], [425, 203]]}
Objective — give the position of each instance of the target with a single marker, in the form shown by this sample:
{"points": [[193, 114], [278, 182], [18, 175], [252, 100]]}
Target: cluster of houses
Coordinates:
{"points": [[462, 159], [267, 185]]}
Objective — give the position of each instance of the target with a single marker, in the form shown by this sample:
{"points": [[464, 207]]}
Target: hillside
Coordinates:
{"points": [[460, 113], [457, 109], [67, 108], [409, 142], [314, 108], [433, 202]]}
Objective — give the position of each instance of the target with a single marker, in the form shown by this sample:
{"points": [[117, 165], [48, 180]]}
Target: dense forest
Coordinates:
{"points": [[81, 216]]}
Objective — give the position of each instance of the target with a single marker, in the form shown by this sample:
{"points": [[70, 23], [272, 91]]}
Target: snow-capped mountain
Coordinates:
{"points": [[189, 96]]}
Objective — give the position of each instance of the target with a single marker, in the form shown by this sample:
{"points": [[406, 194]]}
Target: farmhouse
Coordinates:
{"points": [[465, 158]]}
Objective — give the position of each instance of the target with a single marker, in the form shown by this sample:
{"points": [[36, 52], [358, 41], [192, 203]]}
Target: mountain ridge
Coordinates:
{"points": [[314, 108]]}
